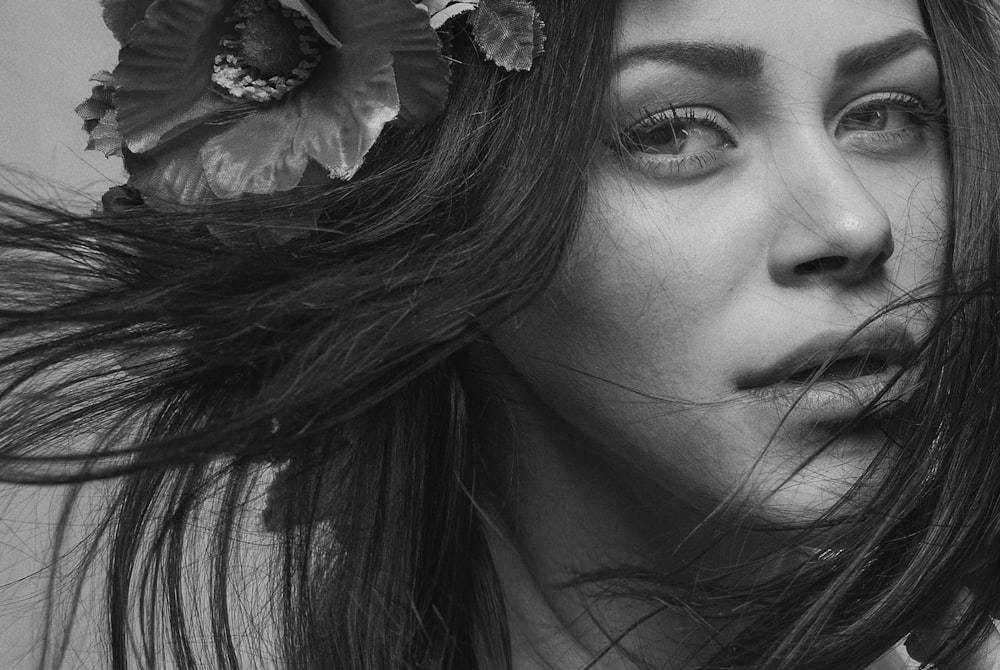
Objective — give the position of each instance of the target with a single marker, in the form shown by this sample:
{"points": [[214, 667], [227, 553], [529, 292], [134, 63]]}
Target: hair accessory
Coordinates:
{"points": [[216, 99]]}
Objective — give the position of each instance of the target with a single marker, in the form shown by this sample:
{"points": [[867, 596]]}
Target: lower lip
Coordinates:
{"points": [[830, 400]]}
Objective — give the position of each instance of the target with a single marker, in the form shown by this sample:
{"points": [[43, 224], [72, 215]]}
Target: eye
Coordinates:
{"points": [[678, 142], [887, 122]]}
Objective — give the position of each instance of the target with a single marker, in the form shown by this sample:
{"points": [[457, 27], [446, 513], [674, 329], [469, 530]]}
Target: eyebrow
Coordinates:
{"points": [[864, 59], [726, 61], [739, 61]]}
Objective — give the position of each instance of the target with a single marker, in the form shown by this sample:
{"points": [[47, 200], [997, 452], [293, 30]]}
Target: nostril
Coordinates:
{"points": [[880, 259], [822, 265]]}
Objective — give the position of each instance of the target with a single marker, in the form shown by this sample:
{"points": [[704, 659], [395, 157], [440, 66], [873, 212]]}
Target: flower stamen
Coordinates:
{"points": [[273, 51]]}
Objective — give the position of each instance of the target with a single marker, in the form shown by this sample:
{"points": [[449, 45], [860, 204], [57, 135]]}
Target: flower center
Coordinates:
{"points": [[273, 51]]}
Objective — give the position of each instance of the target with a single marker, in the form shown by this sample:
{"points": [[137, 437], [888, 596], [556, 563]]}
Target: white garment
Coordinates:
{"points": [[895, 659]]}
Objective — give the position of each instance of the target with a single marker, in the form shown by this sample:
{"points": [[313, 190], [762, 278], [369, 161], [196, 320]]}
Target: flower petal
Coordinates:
{"points": [[91, 110], [119, 199], [121, 15], [104, 136], [211, 104], [165, 75], [254, 156], [105, 86], [403, 29], [172, 174], [345, 112], [506, 31], [445, 14], [100, 118], [100, 101], [334, 120], [435, 6], [315, 19]]}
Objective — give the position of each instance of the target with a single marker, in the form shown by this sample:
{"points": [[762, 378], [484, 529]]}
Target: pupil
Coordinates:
{"points": [[874, 119], [672, 138]]}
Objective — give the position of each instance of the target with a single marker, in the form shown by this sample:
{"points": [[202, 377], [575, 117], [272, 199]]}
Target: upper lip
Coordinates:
{"points": [[886, 345]]}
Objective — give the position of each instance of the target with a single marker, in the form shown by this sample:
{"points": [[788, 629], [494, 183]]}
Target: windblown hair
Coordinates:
{"points": [[323, 334]]}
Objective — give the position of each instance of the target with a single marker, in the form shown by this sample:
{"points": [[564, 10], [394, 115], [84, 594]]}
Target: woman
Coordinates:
{"points": [[668, 344]]}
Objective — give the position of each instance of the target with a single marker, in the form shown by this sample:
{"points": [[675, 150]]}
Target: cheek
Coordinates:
{"points": [[915, 198], [662, 277], [629, 345], [638, 298]]}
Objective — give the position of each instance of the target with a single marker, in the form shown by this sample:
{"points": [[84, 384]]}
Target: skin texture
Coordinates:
{"points": [[733, 223]]}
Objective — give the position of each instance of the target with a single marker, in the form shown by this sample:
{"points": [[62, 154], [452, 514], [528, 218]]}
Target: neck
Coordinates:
{"points": [[563, 514], [557, 627]]}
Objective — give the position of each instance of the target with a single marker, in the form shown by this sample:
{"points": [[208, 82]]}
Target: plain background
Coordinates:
{"points": [[48, 51]]}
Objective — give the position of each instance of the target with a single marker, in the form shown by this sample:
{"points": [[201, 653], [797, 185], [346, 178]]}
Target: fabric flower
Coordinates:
{"points": [[508, 32], [100, 118], [220, 98]]}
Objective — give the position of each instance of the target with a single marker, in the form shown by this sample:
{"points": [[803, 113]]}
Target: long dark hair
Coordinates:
{"points": [[321, 334]]}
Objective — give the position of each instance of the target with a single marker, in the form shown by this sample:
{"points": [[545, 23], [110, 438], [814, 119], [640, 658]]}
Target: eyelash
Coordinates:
{"points": [[924, 114], [663, 165], [659, 164]]}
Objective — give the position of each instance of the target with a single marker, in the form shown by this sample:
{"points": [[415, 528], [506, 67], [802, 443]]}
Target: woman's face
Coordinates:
{"points": [[775, 176]]}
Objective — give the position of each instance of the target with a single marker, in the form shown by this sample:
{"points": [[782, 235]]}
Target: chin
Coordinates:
{"points": [[806, 480]]}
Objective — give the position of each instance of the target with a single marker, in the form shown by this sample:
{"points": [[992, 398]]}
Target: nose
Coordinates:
{"points": [[830, 228]]}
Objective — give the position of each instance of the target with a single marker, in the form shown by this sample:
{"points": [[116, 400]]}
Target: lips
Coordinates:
{"points": [[836, 375]]}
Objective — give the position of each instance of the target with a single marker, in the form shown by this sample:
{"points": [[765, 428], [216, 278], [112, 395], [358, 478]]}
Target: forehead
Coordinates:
{"points": [[793, 31]]}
